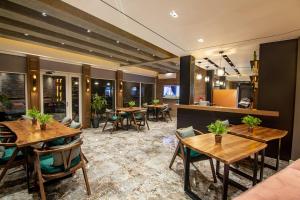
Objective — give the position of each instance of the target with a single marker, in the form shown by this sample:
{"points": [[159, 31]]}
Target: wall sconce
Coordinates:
{"points": [[34, 82], [199, 76], [87, 84], [121, 86], [206, 79]]}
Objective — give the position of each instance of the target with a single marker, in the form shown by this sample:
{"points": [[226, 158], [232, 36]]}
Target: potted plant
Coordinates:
{"points": [[251, 122], [43, 120], [5, 103], [218, 128], [33, 113], [98, 104], [131, 104], [155, 101]]}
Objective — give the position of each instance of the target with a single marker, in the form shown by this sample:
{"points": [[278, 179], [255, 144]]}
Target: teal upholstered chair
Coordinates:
{"points": [[195, 156], [66, 121], [113, 118], [57, 162], [10, 155], [165, 112], [140, 118]]}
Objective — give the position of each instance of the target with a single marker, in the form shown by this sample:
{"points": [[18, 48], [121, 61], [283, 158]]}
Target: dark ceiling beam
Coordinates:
{"points": [[16, 35], [151, 62], [216, 65], [49, 35], [231, 63]]}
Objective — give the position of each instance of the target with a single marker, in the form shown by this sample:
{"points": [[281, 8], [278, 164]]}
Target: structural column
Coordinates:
{"points": [[33, 81], [119, 88], [86, 96], [187, 70]]}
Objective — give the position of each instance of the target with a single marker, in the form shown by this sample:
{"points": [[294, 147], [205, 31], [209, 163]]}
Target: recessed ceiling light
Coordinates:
{"points": [[90, 50], [26, 34], [173, 14], [138, 49], [153, 55], [117, 41], [111, 56], [44, 14], [200, 40], [88, 30], [62, 43]]}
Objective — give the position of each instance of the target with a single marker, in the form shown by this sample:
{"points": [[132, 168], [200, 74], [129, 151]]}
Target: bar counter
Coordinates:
{"points": [[231, 110]]}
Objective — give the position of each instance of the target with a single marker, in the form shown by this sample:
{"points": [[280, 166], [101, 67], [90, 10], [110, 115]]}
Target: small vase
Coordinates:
{"points": [[34, 122], [43, 127], [218, 139], [250, 129]]}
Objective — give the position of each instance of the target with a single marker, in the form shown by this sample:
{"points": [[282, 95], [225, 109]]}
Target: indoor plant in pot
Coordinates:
{"points": [[131, 104], [251, 122], [218, 128], [33, 113], [155, 101], [43, 120], [98, 104]]}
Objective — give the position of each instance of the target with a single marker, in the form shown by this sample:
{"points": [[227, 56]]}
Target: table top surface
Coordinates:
{"points": [[232, 149], [261, 134], [28, 134], [128, 109], [157, 106]]}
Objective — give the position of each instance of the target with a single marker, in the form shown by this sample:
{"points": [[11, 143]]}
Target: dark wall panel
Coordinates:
{"points": [[59, 66], [103, 74], [187, 70], [12, 63], [138, 78], [277, 82]]}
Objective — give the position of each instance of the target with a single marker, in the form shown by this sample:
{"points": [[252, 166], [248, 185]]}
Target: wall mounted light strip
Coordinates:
{"points": [[231, 64]]}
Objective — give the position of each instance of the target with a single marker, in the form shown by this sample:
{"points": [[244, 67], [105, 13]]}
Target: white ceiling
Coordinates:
{"points": [[235, 26]]}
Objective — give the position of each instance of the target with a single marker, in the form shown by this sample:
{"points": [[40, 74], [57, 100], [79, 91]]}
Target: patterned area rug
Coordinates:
{"points": [[129, 165]]}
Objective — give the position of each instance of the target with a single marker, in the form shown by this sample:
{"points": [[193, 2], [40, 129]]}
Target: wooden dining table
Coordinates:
{"points": [[261, 134], [156, 108], [232, 149], [130, 111], [28, 134]]}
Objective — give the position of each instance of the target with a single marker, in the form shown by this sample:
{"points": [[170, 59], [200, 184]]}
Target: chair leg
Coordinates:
{"points": [[7, 166], [146, 121], [104, 126], [40, 179], [170, 116], [213, 170], [174, 156], [86, 180], [85, 159]]}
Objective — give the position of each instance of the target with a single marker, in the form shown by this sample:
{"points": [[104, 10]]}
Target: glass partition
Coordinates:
{"points": [[147, 93], [104, 88], [131, 92], [12, 96]]}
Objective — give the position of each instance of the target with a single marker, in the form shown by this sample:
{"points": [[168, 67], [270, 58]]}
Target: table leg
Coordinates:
{"points": [[27, 168], [218, 167], [262, 163], [254, 179], [278, 155], [156, 114], [225, 181], [135, 124]]}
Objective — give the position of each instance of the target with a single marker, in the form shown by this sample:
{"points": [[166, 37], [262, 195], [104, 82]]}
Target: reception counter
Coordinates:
{"points": [[201, 116]]}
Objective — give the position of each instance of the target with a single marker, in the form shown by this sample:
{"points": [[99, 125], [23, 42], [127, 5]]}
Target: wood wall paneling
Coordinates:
{"points": [[86, 96], [119, 88], [199, 85], [277, 84], [33, 70]]}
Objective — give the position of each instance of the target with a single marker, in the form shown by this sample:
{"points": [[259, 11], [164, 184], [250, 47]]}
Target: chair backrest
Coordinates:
{"points": [[66, 120], [185, 132], [75, 125], [64, 154]]}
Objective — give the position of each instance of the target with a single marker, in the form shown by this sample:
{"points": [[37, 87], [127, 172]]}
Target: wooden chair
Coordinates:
{"points": [[140, 119], [195, 156], [165, 112], [58, 162], [114, 118], [11, 156]]}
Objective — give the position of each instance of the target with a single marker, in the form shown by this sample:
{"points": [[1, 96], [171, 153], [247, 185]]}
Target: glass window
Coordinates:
{"points": [[147, 93], [131, 92], [104, 88], [12, 96]]}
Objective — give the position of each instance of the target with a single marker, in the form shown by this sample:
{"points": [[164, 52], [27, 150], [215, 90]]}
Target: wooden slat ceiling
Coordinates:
{"points": [[71, 29]]}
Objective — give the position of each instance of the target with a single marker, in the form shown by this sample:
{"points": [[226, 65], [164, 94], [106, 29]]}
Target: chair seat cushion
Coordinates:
{"points": [[138, 116], [193, 154], [47, 167], [56, 142], [114, 118], [8, 153]]}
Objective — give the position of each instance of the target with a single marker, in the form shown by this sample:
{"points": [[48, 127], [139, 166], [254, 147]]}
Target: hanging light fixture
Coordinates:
{"points": [[221, 71], [206, 79], [199, 76]]}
